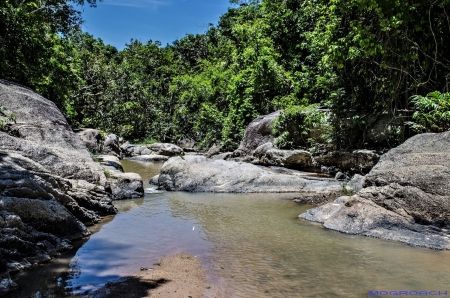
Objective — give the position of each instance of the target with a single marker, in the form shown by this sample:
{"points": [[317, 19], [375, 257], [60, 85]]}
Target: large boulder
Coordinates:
{"points": [[257, 133], [201, 174], [267, 155], [50, 187], [406, 196]]}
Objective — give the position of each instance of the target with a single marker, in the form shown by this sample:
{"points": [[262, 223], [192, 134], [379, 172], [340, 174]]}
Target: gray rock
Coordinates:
{"points": [[147, 151], [127, 149], [166, 149], [112, 145], [214, 150], [361, 161], [49, 183], [186, 143], [257, 133], [125, 185], [223, 156], [6, 283], [110, 161], [200, 174], [150, 158], [137, 150], [406, 196], [122, 185], [154, 180], [267, 155], [356, 183], [92, 139], [340, 176]]}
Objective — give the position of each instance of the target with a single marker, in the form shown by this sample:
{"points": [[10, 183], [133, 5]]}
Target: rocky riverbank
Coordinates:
{"points": [[50, 186], [404, 198]]}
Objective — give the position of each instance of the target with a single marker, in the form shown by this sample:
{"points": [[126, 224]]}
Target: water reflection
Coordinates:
{"points": [[254, 246]]}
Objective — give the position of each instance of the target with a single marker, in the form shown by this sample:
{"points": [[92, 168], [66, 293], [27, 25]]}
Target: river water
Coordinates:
{"points": [[253, 245]]}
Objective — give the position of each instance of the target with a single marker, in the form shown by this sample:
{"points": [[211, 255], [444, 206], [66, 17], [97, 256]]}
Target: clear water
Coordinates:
{"points": [[254, 245]]}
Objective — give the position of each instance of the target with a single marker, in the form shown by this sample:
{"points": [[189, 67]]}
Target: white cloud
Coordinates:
{"points": [[137, 3]]}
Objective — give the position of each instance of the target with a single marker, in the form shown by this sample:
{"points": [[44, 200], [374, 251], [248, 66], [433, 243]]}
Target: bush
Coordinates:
{"points": [[432, 112]]}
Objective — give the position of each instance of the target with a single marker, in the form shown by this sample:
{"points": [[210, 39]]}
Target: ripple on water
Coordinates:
{"points": [[254, 246]]}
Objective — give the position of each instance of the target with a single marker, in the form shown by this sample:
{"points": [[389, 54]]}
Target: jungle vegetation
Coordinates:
{"points": [[331, 65]]}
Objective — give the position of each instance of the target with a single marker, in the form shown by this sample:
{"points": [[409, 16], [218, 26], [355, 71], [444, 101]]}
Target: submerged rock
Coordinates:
{"points": [[200, 174], [406, 196]]}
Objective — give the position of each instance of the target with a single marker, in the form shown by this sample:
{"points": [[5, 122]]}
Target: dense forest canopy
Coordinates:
{"points": [[336, 67]]}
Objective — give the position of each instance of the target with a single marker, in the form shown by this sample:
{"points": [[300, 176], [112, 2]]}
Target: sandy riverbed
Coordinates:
{"points": [[180, 275]]}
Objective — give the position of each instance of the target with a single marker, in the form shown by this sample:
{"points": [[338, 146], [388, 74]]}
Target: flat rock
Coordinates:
{"points": [[110, 161], [200, 174], [150, 158], [166, 149]]}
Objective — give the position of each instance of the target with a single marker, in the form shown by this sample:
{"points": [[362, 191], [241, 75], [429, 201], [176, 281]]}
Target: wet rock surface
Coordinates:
{"points": [[404, 198], [50, 187], [200, 174]]}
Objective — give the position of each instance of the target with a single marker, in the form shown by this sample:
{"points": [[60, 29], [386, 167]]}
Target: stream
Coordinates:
{"points": [[253, 245]]}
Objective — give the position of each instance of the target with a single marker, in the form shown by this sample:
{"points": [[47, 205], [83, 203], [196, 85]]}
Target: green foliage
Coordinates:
{"points": [[6, 118], [145, 141], [107, 174], [362, 59], [346, 191], [34, 49], [432, 112], [304, 126]]}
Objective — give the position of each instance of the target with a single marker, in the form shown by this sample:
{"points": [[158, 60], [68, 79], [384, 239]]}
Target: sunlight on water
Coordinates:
{"points": [[254, 245]]}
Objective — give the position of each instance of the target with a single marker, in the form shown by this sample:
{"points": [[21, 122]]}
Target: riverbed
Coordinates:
{"points": [[252, 245]]}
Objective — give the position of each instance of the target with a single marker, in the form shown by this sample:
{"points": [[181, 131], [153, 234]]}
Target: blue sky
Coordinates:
{"points": [[117, 21]]}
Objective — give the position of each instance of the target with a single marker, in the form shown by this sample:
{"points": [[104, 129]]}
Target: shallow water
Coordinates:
{"points": [[254, 246]]}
